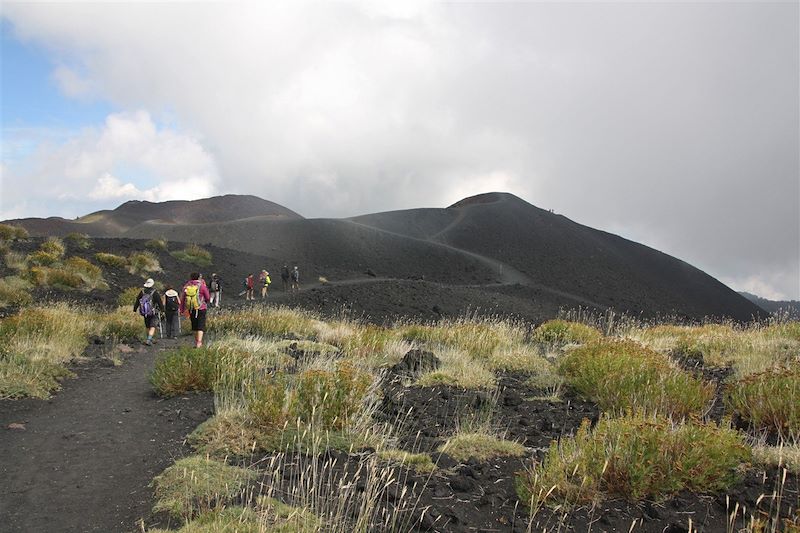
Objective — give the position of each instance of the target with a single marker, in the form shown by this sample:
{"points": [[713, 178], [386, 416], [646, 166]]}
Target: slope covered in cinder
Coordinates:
{"points": [[116, 222], [555, 252]]}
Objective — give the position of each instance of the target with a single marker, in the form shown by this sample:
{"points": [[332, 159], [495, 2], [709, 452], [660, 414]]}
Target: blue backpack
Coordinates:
{"points": [[146, 305]]}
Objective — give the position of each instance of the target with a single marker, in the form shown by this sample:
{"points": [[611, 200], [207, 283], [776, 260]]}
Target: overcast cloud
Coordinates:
{"points": [[675, 125]]}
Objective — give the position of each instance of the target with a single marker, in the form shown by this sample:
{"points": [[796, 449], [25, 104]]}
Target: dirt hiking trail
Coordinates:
{"points": [[85, 458]]}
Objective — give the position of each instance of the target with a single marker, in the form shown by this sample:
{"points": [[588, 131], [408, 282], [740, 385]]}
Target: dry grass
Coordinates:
{"points": [[265, 321], [459, 369], [481, 446], [15, 291], [478, 337]]}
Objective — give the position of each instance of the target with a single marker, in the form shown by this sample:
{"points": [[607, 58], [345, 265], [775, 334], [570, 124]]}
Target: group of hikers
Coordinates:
{"points": [[194, 299], [289, 278]]}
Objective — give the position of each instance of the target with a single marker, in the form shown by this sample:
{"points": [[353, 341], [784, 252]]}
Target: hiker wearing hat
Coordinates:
{"points": [[194, 298], [285, 278], [215, 288], [266, 281], [148, 303]]}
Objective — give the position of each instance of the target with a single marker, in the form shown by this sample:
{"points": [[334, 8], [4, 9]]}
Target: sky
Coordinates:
{"points": [[674, 124]]}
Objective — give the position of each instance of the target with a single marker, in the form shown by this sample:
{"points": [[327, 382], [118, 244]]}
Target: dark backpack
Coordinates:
{"points": [[172, 304], [146, 304], [214, 285]]}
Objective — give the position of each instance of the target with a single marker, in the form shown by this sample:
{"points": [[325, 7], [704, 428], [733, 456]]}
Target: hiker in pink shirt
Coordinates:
{"points": [[194, 299]]}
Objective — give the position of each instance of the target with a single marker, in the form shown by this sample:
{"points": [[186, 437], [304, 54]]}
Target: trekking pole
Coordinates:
{"points": [[160, 329]]}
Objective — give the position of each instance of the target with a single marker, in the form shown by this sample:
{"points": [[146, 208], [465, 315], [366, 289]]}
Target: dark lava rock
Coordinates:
{"points": [[462, 484], [415, 363]]}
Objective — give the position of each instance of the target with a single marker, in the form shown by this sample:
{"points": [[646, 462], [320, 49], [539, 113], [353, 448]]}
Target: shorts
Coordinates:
{"points": [[151, 321], [198, 319]]}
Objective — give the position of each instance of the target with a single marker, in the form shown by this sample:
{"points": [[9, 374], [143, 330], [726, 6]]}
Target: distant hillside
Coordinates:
{"points": [[791, 307], [495, 243], [119, 221]]}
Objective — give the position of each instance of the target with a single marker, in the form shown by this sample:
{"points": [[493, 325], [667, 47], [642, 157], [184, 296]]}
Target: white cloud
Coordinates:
{"points": [[82, 170], [759, 286]]}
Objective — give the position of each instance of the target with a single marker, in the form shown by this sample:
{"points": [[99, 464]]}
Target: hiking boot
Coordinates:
{"points": [[148, 342]]}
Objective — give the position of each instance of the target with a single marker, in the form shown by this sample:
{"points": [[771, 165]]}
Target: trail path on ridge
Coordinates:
{"points": [[86, 457]]}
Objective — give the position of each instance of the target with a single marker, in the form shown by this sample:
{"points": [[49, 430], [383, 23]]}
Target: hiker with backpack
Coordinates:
{"points": [[148, 303], [295, 279], [266, 281], [215, 289], [172, 316], [194, 298], [285, 278]]}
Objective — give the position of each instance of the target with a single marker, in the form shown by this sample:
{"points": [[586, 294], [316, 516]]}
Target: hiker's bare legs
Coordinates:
{"points": [[198, 338], [151, 332]]}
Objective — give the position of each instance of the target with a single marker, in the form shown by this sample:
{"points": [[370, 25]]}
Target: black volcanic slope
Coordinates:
{"points": [[494, 249]]}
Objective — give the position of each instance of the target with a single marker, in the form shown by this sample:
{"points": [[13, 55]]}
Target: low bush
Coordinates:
{"points": [[622, 376], [53, 246], [34, 345], [14, 291], [419, 462], [55, 277], [195, 484], [91, 275], [481, 446], [112, 260], [478, 337], [327, 399], [184, 369], [127, 297], [120, 324], [266, 402], [78, 240], [194, 254], [265, 322], [458, 369], [42, 258], [16, 261], [10, 232], [142, 263], [560, 332], [635, 458], [159, 245], [769, 401]]}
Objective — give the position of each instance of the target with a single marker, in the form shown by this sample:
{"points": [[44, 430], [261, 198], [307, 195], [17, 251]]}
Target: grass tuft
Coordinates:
{"points": [[635, 458], [142, 263], [196, 484], [194, 254], [112, 260], [560, 332], [622, 376], [14, 291], [480, 446], [158, 245], [769, 401], [78, 240]]}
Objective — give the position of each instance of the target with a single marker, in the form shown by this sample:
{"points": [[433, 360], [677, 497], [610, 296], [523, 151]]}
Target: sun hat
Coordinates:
{"points": [[149, 283]]}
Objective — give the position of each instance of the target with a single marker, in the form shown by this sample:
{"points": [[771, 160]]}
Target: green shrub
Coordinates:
{"points": [[112, 260], [79, 240], [184, 369], [53, 246], [481, 446], [478, 337], [419, 462], [23, 377], [142, 263], [265, 322], [561, 332], [194, 254], [14, 291], [266, 402], [196, 484], [55, 277], [120, 324], [635, 458], [769, 401], [41, 258], [159, 245], [621, 376], [327, 399], [127, 297], [9, 232], [92, 275], [16, 261]]}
